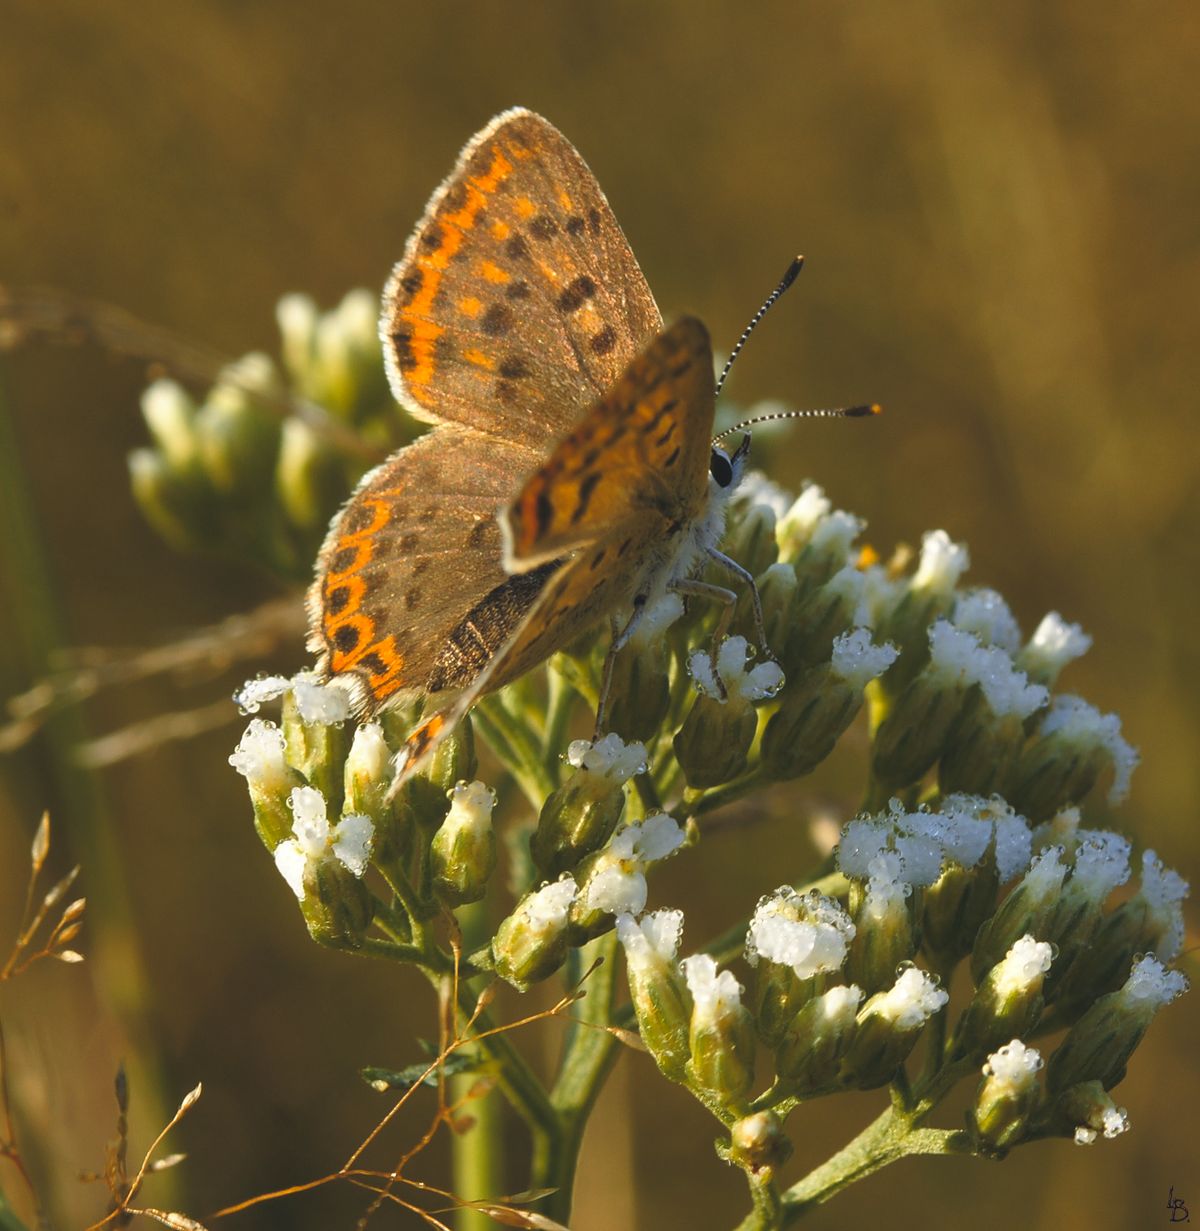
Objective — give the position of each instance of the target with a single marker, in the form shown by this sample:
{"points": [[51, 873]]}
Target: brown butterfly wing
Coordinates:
{"points": [[625, 485], [410, 594], [518, 301], [636, 464]]}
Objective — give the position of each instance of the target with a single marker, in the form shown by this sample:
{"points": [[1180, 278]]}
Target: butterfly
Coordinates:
{"points": [[569, 475]]}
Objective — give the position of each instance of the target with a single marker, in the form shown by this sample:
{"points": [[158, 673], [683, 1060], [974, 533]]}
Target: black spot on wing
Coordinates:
{"points": [[586, 488], [576, 294], [544, 511], [497, 320], [603, 342], [345, 638]]}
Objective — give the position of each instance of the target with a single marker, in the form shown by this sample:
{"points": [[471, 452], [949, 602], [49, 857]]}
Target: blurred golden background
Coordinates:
{"points": [[999, 209]]}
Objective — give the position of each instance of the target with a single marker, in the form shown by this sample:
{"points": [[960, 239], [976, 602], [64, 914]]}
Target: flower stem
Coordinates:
{"points": [[512, 743], [891, 1137], [478, 1153], [589, 1052]]}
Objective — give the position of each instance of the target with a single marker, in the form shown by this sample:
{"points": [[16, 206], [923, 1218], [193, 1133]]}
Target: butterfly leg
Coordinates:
{"points": [[717, 594], [734, 567], [620, 639]]}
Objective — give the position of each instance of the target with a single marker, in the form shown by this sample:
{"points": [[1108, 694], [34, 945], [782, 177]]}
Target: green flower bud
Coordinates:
{"points": [[713, 744], [261, 757], [581, 815], [1051, 648], [462, 855], [324, 866], [177, 506], [818, 709], [914, 734], [1084, 1112], [453, 760], [1007, 1098], [531, 943], [333, 357], [720, 1035], [640, 689], [926, 599], [422, 799], [312, 716], [657, 988], [1073, 746], [613, 882], [982, 749], [758, 1140], [809, 1059], [793, 941], [1025, 910], [309, 476], [825, 612], [296, 315], [368, 771], [888, 1027], [814, 538], [1100, 1043], [886, 857], [1149, 922], [169, 413], [885, 932], [1008, 1003], [237, 436], [778, 590], [1101, 863], [750, 540]]}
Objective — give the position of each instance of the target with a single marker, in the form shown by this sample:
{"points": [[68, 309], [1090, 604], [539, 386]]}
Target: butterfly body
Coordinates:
{"points": [[567, 477]]}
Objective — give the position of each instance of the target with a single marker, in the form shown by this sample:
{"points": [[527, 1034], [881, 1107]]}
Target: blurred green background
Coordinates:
{"points": [[999, 209]]}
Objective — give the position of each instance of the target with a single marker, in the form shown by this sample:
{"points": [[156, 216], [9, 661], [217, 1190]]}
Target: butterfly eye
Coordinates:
{"points": [[721, 468]]}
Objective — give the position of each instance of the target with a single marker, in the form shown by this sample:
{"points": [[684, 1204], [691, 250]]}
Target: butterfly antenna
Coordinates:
{"points": [[833, 412], [788, 278]]}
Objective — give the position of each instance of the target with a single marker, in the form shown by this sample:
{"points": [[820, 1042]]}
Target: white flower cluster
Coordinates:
{"points": [[619, 887], [808, 932], [960, 657], [314, 839], [609, 757], [731, 675], [316, 702], [914, 847]]}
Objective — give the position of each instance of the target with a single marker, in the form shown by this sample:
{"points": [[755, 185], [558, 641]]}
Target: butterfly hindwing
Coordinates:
{"points": [[518, 301], [410, 594], [640, 455]]}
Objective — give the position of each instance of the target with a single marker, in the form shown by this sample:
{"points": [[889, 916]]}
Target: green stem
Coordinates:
{"points": [[516, 1080], [478, 1153], [559, 706], [589, 1053], [767, 1213], [891, 1137], [515, 747], [727, 793], [8, 1217]]}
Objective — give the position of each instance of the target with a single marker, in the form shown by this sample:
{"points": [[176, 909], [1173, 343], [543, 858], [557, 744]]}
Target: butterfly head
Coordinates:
{"points": [[725, 469]]}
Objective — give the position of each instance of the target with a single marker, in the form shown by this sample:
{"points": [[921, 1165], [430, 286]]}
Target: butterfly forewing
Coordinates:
{"points": [[518, 302]]}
